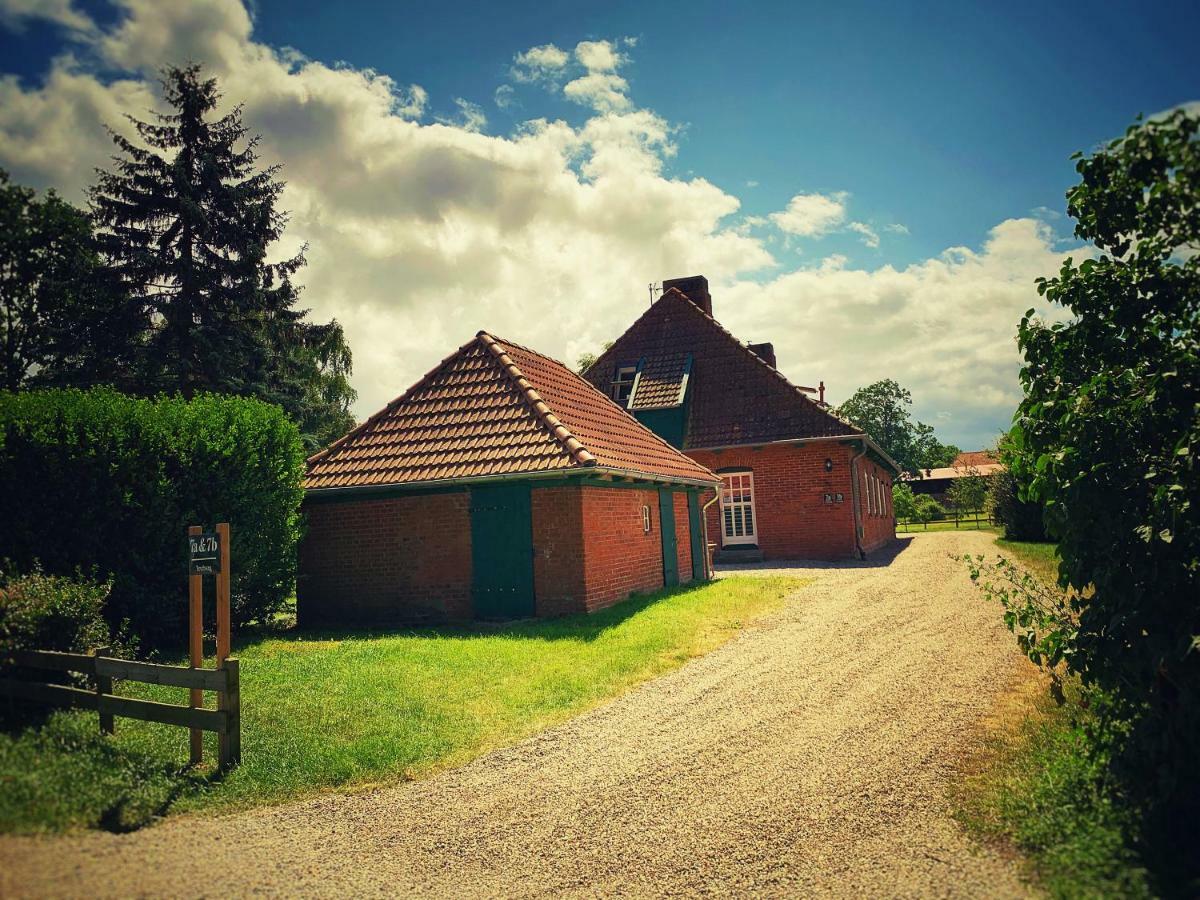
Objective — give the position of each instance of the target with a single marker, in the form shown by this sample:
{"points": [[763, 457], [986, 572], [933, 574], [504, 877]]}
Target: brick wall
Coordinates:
{"points": [[790, 484], [558, 565], [619, 557], [389, 560], [683, 541], [875, 491]]}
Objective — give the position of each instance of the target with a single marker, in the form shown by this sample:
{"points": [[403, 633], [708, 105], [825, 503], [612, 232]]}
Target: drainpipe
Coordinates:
{"points": [[708, 571], [854, 496]]}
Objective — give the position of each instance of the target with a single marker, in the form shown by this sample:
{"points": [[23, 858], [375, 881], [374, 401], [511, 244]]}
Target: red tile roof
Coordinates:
{"points": [[662, 382], [496, 408], [736, 397], [975, 458]]}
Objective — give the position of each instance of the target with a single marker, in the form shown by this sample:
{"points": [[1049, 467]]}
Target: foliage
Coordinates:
{"points": [[926, 509], [881, 410], [1020, 519], [969, 491], [97, 478], [185, 221], [51, 612], [904, 503], [323, 711], [1107, 439], [62, 315], [587, 360], [1040, 615]]}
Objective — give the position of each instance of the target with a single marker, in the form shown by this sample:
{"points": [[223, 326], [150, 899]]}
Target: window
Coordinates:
{"points": [[622, 384], [646, 519], [737, 509]]}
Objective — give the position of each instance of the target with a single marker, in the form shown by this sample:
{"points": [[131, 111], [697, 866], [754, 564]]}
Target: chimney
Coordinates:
{"points": [[695, 287], [765, 352]]}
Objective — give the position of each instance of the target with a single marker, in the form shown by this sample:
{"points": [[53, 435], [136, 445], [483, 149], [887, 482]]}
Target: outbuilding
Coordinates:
{"points": [[501, 485]]}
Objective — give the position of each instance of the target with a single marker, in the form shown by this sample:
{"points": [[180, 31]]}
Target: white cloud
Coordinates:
{"points": [[869, 236], [752, 183], [15, 13], [539, 63], [812, 215], [421, 234], [602, 91], [945, 327], [896, 228], [470, 116], [598, 56], [504, 96]]}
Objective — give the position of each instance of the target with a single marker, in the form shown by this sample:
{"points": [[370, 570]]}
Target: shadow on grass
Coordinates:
{"points": [[578, 627]]}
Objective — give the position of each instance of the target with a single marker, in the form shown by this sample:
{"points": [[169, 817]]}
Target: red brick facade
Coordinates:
{"points": [[399, 559], [794, 519], [408, 558]]}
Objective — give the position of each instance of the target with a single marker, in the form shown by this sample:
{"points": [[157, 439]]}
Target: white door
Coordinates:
{"points": [[737, 509]]}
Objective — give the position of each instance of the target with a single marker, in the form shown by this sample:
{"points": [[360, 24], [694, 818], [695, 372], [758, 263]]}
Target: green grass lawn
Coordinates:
{"points": [[334, 711], [1041, 785]]}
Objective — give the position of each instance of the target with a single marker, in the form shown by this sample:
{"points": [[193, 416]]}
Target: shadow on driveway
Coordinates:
{"points": [[880, 558]]}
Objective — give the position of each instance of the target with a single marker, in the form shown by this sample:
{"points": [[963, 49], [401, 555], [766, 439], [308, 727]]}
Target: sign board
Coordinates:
{"points": [[204, 553]]}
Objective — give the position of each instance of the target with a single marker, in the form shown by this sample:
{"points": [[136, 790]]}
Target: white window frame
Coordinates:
{"points": [[742, 482], [618, 382]]}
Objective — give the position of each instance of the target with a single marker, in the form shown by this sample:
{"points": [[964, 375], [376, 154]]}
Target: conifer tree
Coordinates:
{"points": [[186, 218]]}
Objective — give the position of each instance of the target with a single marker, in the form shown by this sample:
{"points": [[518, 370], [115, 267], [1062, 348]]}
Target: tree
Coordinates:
{"points": [[904, 503], [881, 410], [186, 219], [1108, 433], [61, 315], [587, 360], [969, 491]]}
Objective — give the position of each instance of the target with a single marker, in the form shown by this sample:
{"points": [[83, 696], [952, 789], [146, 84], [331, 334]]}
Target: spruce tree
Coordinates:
{"points": [[186, 218]]}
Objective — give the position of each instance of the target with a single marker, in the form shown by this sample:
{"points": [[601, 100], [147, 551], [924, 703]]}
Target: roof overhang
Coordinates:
{"points": [[616, 474], [863, 439]]}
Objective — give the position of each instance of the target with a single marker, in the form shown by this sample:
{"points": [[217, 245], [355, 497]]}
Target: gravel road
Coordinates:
{"points": [[809, 756]]}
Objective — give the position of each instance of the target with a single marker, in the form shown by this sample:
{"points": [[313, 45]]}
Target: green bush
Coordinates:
{"points": [[98, 480], [927, 509], [51, 612], [1020, 519]]}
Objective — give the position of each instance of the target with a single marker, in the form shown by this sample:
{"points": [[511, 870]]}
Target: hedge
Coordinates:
{"points": [[99, 481]]}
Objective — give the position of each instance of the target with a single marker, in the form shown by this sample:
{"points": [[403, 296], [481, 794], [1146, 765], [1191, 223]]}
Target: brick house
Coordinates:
{"points": [[797, 481], [501, 485]]}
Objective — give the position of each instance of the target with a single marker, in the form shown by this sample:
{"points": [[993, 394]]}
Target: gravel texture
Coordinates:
{"points": [[809, 756]]}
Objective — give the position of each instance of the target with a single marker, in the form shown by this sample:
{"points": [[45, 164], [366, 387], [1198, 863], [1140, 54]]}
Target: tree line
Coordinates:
{"points": [[165, 282]]}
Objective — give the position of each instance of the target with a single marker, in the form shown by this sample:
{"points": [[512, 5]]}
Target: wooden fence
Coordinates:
{"points": [[977, 518], [225, 720]]}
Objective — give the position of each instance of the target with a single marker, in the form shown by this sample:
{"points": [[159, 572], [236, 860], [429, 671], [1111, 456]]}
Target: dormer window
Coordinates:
{"points": [[622, 384]]}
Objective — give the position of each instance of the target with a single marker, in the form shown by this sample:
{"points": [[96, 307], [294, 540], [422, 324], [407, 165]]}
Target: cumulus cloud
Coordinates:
{"points": [[542, 63], [869, 236], [14, 14], [504, 96], [421, 234], [812, 215], [470, 116]]}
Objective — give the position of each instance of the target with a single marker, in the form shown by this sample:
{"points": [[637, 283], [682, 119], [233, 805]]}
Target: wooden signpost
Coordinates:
{"points": [[208, 554]]}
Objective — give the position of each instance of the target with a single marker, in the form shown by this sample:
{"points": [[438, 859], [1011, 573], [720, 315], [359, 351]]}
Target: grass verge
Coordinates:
{"points": [[1040, 783], [348, 710], [946, 525]]}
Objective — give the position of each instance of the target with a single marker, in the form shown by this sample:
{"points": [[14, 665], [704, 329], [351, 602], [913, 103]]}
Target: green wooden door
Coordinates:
{"points": [[666, 523], [697, 535], [502, 551]]}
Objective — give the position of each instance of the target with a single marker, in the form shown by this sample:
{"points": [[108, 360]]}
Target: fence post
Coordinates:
{"points": [[196, 648], [104, 685], [230, 700]]}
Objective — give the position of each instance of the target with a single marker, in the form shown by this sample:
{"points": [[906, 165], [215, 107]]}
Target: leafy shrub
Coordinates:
{"points": [[1020, 519], [51, 612], [99, 479], [927, 509], [904, 503]]}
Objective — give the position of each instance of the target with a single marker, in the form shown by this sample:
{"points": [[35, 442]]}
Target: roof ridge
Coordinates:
{"points": [[541, 409], [391, 405]]}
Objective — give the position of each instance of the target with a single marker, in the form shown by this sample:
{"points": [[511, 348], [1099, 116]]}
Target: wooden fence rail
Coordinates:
{"points": [[102, 668]]}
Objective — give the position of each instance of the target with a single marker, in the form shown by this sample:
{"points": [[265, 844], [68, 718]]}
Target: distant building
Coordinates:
{"points": [[797, 481], [937, 482]]}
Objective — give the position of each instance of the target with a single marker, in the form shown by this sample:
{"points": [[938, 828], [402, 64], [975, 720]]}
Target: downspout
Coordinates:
{"points": [[708, 571], [855, 497]]}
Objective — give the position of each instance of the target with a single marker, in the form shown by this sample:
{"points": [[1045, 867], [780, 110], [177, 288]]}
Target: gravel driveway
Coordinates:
{"points": [[808, 756]]}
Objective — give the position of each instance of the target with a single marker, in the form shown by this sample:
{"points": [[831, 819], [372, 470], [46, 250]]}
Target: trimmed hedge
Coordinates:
{"points": [[97, 480]]}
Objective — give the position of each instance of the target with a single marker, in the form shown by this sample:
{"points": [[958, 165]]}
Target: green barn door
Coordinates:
{"points": [[697, 535], [666, 524], [502, 551]]}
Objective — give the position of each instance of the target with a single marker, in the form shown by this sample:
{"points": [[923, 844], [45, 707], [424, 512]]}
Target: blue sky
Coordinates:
{"points": [[920, 128]]}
